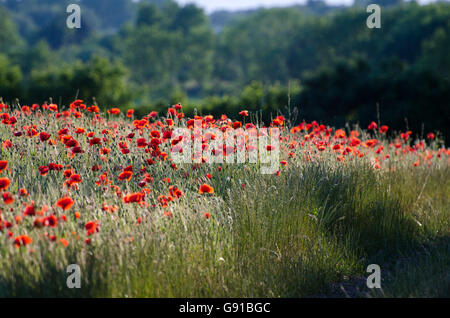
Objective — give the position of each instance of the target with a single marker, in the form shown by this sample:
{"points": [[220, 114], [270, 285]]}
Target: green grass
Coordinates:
{"points": [[320, 223], [291, 236]]}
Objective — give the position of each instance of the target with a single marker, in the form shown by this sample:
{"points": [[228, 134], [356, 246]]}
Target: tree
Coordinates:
{"points": [[9, 36], [112, 13], [35, 57], [148, 15], [99, 79], [10, 80], [436, 52], [257, 47], [170, 47]]}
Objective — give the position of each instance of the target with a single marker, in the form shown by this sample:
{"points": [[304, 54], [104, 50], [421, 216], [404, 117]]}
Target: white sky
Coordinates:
{"points": [[211, 5]]}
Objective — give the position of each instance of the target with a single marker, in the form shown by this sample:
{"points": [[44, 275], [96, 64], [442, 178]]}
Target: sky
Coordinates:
{"points": [[211, 5]]}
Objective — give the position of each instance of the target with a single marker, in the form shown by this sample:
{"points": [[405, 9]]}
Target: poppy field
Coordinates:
{"points": [[101, 189]]}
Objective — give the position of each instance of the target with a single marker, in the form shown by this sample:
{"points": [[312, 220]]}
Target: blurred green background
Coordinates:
{"points": [[317, 61]]}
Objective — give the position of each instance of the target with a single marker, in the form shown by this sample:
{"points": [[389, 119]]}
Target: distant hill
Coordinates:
{"points": [[222, 18], [36, 15]]}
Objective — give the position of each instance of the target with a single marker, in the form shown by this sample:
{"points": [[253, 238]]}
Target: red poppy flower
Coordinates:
{"points": [[95, 141], [171, 112], [4, 183], [163, 200], [51, 221], [141, 143], [8, 198], [76, 104], [406, 135], [133, 198], [91, 227], [339, 133], [129, 168], [175, 192], [64, 242], [126, 175], [31, 132], [372, 126], [55, 167], [110, 208], [18, 219], [29, 210], [204, 188], [114, 111], [384, 129], [140, 124], [22, 240], [168, 214], [12, 120], [7, 144], [278, 121], [65, 203], [38, 222], [70, 142], [43, 170], [371, 143], [354, 142], [63, 131], [93, 109], [155, 134], [44, 136], [7, 224], [80, 131], [75, 178], [237, 124], [3, 165], [68, 173], [23, 192]]}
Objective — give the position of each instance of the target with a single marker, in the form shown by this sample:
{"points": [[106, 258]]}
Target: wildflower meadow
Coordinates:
{"points": [[102, 191]]}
